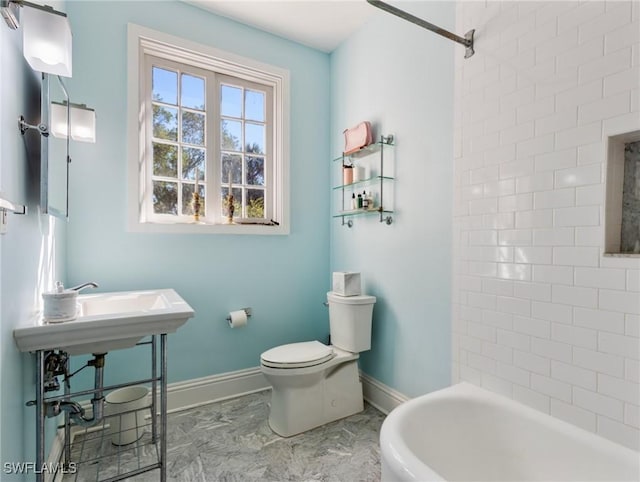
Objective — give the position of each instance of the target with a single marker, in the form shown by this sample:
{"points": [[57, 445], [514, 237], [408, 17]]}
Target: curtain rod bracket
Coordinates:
{"points": [[468, 52], [467, 40]]}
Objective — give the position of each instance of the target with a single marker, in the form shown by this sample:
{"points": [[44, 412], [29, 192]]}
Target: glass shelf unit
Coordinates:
{"points": [[376, 183]]}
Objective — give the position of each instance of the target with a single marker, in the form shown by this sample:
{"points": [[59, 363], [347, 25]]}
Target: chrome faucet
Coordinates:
{"points": [[91, 284]]}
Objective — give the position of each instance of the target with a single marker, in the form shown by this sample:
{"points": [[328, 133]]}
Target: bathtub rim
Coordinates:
{"points": [[395, 452]]}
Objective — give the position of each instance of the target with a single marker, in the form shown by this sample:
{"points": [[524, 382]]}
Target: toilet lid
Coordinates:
{"points": [[297, 355]]}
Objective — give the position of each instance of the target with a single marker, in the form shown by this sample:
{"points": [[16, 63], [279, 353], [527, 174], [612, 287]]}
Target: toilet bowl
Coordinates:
{"points": [[314, 384]]}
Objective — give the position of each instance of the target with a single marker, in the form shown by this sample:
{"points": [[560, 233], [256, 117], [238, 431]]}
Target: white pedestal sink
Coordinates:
{"points": [[107, 322]]}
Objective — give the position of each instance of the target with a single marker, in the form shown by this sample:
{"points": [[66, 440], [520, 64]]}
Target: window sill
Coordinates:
{"points": [[201, 228]]}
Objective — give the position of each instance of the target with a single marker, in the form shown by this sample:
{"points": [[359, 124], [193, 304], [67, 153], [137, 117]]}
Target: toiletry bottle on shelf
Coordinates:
{"points": [[359, 201], [347, 174], [365, 200], [354, 204], [358, 173], [371, 200]]}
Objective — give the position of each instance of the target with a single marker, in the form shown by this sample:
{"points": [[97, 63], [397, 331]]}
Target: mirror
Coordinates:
{"points": [[54, 167]]}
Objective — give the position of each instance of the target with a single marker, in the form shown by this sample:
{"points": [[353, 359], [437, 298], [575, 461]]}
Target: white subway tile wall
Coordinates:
{"points": [[540, 314]]}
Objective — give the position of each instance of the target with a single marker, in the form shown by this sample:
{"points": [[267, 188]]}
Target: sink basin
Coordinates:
{"points": [[114, 303], [107, 322]]}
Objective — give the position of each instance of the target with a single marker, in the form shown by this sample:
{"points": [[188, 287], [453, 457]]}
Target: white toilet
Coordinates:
{"points": [[313, 383]]}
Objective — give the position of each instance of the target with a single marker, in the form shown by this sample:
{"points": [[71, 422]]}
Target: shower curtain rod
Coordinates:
{"points": [[467, 40]]}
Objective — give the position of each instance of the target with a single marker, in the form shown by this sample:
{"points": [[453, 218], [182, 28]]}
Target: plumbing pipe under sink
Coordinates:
{"points": [[76, 412], [57, 363]]}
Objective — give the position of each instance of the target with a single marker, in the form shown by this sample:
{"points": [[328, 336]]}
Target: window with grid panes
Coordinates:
{"points": [[203, 127]]}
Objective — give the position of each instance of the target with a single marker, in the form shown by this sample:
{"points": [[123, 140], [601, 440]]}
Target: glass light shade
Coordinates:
{"points": [[83, 122], [46, 41]]}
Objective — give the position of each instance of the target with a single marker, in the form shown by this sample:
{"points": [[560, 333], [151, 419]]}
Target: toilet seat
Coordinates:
{"points": [[297, 355]]}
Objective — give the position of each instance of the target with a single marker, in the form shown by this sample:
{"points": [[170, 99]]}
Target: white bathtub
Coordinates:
{"points": [[466, 433]]}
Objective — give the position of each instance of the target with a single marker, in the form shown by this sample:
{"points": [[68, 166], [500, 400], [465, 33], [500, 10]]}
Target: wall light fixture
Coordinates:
{"points": [[46, 35], [82, 120]]}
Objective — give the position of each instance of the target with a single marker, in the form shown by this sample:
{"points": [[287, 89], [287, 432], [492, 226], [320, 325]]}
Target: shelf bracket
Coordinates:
{"points": [[6, 205], [467, 40]]}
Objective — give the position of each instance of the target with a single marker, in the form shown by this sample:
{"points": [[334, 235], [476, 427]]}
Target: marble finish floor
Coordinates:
{"points": [[231, 441]]}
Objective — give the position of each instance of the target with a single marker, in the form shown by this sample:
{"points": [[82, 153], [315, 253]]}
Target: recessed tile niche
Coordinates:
{"points": [[622, 205]]}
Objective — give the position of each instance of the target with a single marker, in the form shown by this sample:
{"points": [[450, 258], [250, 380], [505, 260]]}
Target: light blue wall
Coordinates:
{"points": [[400, 77], [283, 278], [30, 253]]}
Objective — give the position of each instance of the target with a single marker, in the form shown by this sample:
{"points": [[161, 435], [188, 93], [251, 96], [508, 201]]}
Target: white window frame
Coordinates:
{"points": [[144, 42]]}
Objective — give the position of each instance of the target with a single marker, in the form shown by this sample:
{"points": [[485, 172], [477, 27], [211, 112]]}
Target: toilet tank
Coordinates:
{"points": [[350, 321]]}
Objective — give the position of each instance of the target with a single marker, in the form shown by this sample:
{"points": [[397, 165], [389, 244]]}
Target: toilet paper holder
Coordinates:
{"points": [[246, 310]]}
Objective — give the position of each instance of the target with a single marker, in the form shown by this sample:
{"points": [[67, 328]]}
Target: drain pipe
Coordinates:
{"points": [[76, 412]]}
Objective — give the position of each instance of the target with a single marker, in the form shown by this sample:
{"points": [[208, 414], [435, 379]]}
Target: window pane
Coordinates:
{"points": [[254, 138], [231, 163], [165, 86], [193, 128], [255, 203], [187, 199], [254, 105], [165, 197], [165, 123], [255, 170], [192, 158], [231, 132], [237, 201], [165, 160], [231, 101], [192, 93]]}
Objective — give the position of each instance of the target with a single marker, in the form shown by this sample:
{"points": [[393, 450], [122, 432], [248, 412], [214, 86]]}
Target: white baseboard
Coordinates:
{"points": [[379, 395], [200, 391]]}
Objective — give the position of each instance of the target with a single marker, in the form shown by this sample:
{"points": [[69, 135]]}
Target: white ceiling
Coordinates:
{"points": [[321, 24]]}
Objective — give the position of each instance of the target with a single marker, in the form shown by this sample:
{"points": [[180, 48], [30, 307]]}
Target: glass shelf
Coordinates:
{"points": [[365, 151], [361, 212], [363, 182]]}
